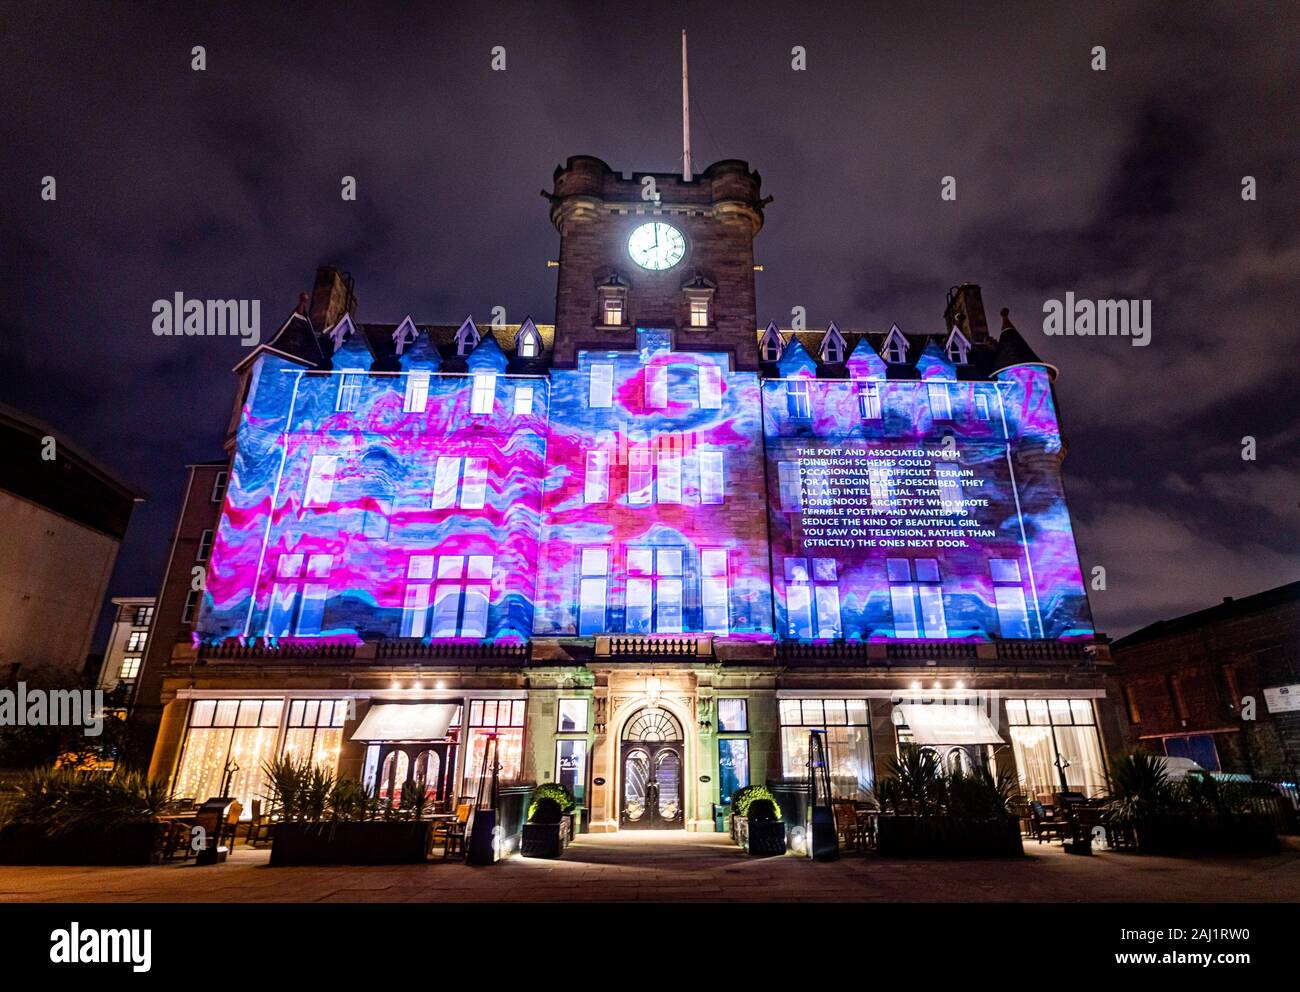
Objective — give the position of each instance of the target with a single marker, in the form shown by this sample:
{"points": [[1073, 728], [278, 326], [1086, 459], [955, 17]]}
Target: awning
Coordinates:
{"points": [[406, 722], [947, 724]]}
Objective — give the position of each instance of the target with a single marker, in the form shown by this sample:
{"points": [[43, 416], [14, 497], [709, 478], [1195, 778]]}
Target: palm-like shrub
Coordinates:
{"points": [[554, 792], [1139, 787], [63, 799], [743, 797], [915, 784]]}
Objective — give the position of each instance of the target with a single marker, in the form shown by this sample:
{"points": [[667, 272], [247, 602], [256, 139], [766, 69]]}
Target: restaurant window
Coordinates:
{"points": [[572, 716], [812, 599], [733, 766], [733, 715], [228, 736], [848, 741], [571, 765], [315, 731], [592, 590], [505, 718], [1042, 729]]}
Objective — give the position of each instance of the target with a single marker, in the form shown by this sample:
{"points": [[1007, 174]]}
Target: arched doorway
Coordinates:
{"points": [[652, 761]]}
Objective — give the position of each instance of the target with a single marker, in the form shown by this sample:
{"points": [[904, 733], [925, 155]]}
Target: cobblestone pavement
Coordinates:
{"points": [[679, 867]]}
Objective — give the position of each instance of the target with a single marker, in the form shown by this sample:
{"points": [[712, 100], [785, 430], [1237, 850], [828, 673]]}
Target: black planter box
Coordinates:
{"points": [[1185, 836], [546, 840], [370, 842], [125, 844], [759, 837], [947, 837]]}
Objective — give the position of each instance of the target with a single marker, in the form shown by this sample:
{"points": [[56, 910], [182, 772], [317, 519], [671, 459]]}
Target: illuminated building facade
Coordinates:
{"points": [[648, 547]]}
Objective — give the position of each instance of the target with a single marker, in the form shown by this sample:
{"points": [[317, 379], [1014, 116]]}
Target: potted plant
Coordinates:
{"points": [[550, 822], [756, 821], [71, 817], [325, 820]]}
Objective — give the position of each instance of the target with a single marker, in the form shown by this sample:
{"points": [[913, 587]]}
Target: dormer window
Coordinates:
{"points": [[895, 347], [833, 346], [528, 343], [958, 347], [771, 345], [467, 338]]}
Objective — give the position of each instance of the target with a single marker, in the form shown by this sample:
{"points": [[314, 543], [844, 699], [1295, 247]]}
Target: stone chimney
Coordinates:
{"points": [[966, 310], [331, 298]]}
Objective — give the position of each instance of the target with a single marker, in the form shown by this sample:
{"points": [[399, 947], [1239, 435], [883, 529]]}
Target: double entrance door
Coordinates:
{"points": [[652, 785]]}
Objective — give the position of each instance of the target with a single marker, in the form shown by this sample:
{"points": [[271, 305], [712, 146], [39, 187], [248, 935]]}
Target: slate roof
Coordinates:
{"points": [[1227, 610]]}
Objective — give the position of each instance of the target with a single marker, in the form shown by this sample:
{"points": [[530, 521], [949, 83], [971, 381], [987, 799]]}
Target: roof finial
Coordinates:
{"points": [[1006, 319], [302, 304]]}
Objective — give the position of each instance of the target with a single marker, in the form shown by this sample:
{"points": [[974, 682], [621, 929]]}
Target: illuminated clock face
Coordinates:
{"points": [[656, 246]]}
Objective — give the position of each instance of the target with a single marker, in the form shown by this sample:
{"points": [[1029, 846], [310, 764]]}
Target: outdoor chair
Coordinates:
{"points": [[849, 827], [1044, 823], [451, 833]]}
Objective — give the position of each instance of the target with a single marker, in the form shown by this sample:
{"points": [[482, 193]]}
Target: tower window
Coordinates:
{"points": [[613, 311], [699, 312]]}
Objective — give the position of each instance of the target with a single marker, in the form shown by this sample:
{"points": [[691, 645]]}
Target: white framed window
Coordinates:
{"points": [[656, 387], [135, 641], [712, 476], [523, 401], [596, 483], [593, 588], [710, 387], [790, 486], [467, 477], [957, 349], [485, 391], [219, 484], [869, 400], [812, 598], [320, 480], [699, 311], [940, 401], [895, 347], [350, 388], [714, 590], [130, 667], [417, 392], [205, 546], [798, 402], [461, 595], [640, 476], [572, 716], [602, 386], [654, 590], [527, 342], [669, 489], [613, 311]]}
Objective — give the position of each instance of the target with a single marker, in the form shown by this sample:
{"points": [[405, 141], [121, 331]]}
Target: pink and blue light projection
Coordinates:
{"points": [[335, 518], [677, 455], [918, 509]]}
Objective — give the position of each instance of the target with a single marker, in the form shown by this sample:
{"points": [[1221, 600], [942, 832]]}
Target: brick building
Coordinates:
{"points": [[645, 549], [1220, 686]]}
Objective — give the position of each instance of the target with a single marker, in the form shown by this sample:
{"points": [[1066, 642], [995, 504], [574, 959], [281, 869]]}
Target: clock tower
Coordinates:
{"points": [[654, 250]]}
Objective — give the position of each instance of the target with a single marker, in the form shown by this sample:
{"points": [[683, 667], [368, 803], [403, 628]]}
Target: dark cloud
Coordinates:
{"points": [[1123, 183]]}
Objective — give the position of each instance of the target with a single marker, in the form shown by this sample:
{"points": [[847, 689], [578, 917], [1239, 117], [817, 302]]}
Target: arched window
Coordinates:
{"points": [[652, 725]]}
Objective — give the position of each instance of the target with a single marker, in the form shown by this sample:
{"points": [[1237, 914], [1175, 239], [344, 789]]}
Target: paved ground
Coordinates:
{"points": [[679, 866]]}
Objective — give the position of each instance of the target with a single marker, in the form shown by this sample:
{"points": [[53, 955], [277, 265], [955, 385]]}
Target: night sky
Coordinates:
{"points": [[1117, 184]]}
